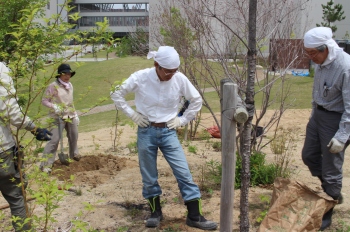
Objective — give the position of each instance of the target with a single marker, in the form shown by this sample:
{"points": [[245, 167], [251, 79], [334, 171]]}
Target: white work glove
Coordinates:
{"points": [[77, 120], [57, 109], [335, 146], [174, 123], [140, 119]]}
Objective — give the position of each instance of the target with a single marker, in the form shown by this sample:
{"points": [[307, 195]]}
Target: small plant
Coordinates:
{"points": [[210, 178], [217, 146], [192, 149], [260, 172], [97, 146], [122, 229], [282, 146], [133, 212], [132, 146], [266, 203], [204, 135], [176, 200], [78, 192], [173, 228]]}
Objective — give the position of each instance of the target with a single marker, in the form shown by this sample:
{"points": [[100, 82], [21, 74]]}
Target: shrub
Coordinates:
{"points": [[261, 173]]}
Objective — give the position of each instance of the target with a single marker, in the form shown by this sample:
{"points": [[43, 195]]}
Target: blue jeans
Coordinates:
{"points": [[149, 139]]}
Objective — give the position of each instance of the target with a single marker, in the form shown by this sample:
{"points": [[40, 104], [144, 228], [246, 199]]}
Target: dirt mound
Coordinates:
{"points": [[92, 170]]}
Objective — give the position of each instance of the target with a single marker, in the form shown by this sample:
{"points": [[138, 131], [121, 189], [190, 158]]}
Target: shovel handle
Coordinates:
{"points": [[60, 133]]}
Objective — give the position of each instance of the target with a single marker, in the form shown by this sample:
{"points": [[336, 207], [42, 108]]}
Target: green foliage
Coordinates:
{"points": [[283, 146], [177, 29], [211, 176], [260, 172], [266, 202], [344, 226], [217, 146], [48, 194], [122, 229], [172, 228], [192, 149], [133, 44], [124, 47], [11, 12], [27, 37], [132, 146], [312, 72], [331, 13]]}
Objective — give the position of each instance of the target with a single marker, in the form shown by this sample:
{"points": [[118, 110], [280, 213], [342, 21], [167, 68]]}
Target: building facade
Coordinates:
{"points": [[123, 16]]}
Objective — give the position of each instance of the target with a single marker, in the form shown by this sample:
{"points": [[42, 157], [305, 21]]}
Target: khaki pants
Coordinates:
{"points": [[51, 147]]}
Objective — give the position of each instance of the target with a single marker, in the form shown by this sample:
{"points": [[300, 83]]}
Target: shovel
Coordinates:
{"points": [[63, 157]]}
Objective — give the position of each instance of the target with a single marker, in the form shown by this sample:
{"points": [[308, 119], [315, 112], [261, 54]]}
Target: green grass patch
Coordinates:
{"points": [[300, 89], [106, 119], [93, 80]]}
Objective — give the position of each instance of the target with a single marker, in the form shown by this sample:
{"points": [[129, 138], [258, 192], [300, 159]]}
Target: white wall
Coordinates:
{"points": [[313, 14]]}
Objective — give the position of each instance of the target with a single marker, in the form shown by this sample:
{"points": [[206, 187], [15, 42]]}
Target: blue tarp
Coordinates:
{"points": [[300, 73]]}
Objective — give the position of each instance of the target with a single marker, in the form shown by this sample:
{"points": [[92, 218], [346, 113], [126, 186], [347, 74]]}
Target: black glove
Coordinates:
{"points": [[41, 134]]}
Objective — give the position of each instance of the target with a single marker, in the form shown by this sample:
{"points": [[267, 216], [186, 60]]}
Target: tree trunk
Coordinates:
{"points": [[246, 138]]}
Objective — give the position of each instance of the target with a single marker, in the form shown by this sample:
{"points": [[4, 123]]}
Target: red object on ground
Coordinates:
{"points": [[214, 131]]}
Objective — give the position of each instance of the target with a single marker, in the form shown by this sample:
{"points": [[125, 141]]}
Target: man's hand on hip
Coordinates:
{"points": [[174, 123], [140, 119], [335, 146]]}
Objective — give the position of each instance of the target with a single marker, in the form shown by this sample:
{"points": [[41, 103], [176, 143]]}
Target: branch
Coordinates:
{"points": [[277, 77]]}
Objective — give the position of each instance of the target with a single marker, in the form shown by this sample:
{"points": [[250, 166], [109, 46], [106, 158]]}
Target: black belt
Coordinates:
{"points": [[322, 108], [159, 124]]}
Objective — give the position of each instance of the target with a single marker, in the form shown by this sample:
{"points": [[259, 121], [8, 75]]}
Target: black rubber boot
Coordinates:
{"points": [[156, 212], [340, 199], [195, 218], [327, 217], [327, 220]]}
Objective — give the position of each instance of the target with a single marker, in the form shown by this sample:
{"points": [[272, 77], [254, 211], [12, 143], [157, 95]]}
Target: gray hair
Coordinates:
{"points": [[321, 48]]}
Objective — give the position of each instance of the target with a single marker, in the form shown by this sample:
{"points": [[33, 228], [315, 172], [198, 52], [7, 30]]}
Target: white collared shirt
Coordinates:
{"points": [[158, 100]]}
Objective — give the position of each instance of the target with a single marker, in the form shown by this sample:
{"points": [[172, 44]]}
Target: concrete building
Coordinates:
{"points": [[124, 16]]}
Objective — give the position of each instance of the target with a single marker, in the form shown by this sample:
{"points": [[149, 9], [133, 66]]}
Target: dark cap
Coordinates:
{"points": [[64, 68]]}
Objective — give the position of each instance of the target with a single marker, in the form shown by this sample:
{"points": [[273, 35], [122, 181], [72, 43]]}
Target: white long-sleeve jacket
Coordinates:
{"points": [[158, 100], [10, 111]]}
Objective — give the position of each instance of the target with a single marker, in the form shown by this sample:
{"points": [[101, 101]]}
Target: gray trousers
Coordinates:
{"points": [[9, 189], [315, 154], [51, 147]]}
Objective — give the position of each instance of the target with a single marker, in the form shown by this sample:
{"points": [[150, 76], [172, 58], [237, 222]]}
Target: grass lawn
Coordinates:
{"points": [[299, 98], [93, 80]]}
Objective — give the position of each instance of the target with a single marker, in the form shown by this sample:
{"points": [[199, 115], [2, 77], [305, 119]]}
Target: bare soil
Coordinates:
{"points": [[111, 182]]}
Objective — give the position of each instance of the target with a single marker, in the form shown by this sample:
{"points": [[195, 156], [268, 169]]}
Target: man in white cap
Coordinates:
{"points": [[328, 130], [158, 92]]}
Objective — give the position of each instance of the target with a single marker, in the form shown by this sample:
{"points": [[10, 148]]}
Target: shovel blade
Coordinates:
{"points": [[63, 158]]}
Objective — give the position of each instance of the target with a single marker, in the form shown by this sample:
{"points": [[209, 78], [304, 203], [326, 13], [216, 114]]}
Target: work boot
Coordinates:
{"points": [[327, 220], [195, 217], [156, 212], [340, 199]]}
